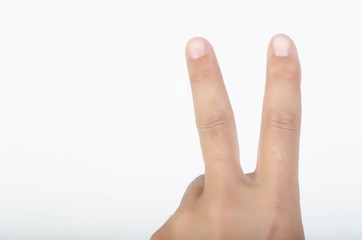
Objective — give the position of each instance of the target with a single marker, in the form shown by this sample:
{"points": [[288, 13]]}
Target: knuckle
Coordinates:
{"points": [[282, 121], [205, 73], [196, 187], [201, 77], [199, 181], [214, 123], [286, 72]]}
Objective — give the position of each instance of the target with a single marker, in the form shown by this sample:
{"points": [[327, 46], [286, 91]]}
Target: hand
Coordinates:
{"points": [[225, 203]]}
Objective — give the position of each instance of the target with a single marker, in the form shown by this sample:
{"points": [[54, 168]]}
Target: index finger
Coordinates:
{"points": [[213, 113]]}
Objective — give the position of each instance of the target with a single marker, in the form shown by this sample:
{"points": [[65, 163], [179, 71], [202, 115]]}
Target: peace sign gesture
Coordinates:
{"points": [[225, 203]]}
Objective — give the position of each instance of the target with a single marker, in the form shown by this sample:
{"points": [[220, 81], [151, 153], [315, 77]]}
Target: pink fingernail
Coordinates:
{"points": [[196, 48], [281, 46]]}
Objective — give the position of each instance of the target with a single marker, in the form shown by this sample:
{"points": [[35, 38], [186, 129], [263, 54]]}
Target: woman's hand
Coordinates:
{"points": [[225, 203]]}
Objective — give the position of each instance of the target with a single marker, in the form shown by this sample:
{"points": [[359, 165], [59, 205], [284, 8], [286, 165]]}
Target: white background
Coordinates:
{"points": [[97, 133]]}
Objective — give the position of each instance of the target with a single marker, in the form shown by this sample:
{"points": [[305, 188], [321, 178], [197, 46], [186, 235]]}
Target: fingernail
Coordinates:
{"points": [[281, 46], [196, 48]]}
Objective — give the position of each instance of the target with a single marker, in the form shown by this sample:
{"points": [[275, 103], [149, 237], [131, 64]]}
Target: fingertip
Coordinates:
{"points": [[196, 47], [282, 45]]}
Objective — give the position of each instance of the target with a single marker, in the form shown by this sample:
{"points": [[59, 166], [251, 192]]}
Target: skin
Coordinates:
{"points": [[226, 203]]}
